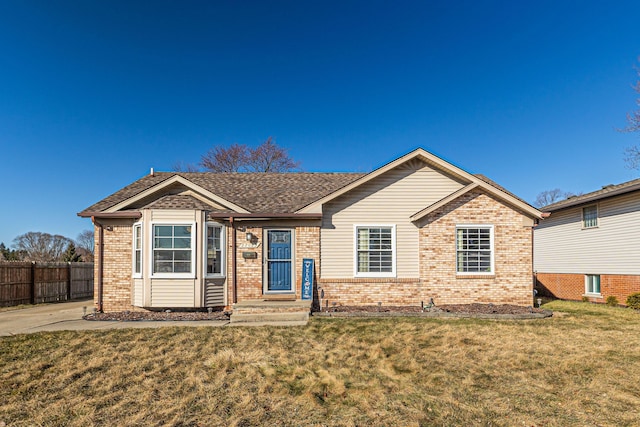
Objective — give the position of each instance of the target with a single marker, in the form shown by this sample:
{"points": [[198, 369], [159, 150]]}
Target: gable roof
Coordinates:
{"points": [[604, 193], [276, 193], [263, 193], [440, 164]]}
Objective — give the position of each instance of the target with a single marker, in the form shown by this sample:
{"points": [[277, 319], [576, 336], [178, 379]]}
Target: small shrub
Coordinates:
{"points": [[633, 301], [612, 301], [585, 299]]}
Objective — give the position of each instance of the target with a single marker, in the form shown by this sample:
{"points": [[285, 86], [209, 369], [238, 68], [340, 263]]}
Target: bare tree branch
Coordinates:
{"points": [[632, 154], [267, 157], [181, 166], [548, 197], [85, 245], [42, 247], [221, 159]]}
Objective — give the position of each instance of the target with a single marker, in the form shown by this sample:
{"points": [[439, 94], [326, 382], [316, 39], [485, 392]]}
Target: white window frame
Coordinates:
{"points": [[374, 274], [492, 248], [186, 275], [137, 274], [587, 278], [597, 219], [223, 249]]}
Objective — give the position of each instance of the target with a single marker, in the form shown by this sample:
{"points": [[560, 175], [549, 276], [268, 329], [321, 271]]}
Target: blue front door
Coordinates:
{"points": [[278, 261]]}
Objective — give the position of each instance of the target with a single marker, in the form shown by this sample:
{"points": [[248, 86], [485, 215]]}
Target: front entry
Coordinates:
{"points": [[278, 266]]}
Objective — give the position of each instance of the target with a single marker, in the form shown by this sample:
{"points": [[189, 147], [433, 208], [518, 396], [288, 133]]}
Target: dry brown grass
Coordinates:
{"points": [[580, 368]]}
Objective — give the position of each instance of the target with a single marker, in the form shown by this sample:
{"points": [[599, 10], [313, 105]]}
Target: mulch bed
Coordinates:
{"points": [[450, 310], [132, 316], [497, 311]]}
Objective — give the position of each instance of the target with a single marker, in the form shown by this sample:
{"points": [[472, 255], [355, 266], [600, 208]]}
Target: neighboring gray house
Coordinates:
{"points": [[589, 246]]}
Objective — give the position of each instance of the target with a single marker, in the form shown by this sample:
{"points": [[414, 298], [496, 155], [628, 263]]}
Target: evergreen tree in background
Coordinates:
{"points": [[70, 255]]}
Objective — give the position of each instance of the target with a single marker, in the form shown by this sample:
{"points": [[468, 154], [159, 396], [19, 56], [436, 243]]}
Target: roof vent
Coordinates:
{"points": [[152, 173], [607, 186]]}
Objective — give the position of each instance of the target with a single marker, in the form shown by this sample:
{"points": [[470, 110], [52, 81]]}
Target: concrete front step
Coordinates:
{"points": [[289, 316], [270, 311]]}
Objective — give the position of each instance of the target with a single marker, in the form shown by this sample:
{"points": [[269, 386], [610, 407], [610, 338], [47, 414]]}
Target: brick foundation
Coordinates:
{"points": [[572, 286], [387, 291]]}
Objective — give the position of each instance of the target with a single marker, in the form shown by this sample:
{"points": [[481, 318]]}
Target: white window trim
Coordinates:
{"points": [[192, 273], [586, 286], [597, 216], [493, 251], [392, 273], [223, 250], [137, 275]]}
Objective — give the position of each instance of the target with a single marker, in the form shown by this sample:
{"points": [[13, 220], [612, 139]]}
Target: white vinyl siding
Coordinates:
{"points": [[138, 286], [214, 293], [173, 293], [388, 199], [562, 245]]}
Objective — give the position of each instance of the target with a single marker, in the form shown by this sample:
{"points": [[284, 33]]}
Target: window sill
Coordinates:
{"points": [[592, 295], [375, 276], [173, 276], [475, 276]]}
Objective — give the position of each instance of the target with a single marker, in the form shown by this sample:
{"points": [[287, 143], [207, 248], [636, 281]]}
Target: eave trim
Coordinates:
{"points": [[175, 179]]}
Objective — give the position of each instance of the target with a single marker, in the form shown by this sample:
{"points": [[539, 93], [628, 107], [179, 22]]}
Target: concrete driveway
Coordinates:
{"points": [[67, 316]]}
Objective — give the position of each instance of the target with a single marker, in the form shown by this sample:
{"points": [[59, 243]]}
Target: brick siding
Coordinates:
{"points": [[117, 264], [512, 282], [250, 271], [572, 286], [360, 291]]}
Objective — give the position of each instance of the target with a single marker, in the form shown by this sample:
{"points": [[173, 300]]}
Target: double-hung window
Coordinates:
{"points": [[590, 216], [375, 250], [474, 249], [173, 249], [137, 250], [592, 284], [214, 255]]}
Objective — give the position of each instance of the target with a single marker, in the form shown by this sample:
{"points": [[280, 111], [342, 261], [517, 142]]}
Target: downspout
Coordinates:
{"points": [[233, 260], [100, 261]]}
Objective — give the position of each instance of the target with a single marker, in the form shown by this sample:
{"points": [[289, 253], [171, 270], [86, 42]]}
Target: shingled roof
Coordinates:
{"points": [[272, 193], [605, 192]]}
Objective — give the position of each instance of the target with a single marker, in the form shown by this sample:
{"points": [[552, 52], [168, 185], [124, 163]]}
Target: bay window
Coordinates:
{"points": [[137, 250], [214, 253], [173, 249]]}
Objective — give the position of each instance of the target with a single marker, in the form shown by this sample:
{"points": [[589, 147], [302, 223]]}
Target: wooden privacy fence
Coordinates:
{"points": [[36, 282]]}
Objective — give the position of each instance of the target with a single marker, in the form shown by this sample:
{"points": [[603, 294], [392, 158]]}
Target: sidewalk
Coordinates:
{"points": [[67, 316]]}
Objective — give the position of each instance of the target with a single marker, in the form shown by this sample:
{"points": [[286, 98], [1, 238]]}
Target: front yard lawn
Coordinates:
{"points": [[580, 367]]}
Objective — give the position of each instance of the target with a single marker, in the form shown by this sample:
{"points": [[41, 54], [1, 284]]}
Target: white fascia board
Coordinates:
{"points": [[173, 180]]}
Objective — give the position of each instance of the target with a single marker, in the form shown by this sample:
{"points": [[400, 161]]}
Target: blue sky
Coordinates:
{"points": [[93, 94]]}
